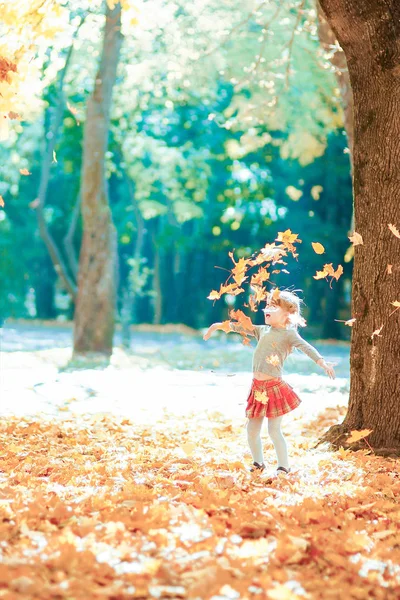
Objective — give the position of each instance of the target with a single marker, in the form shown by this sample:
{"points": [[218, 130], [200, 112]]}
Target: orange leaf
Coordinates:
{"points": [[394, 230], [259, 277], [13, 115], [287, 237], [389, 269], [356, 239], [225, 326], [244, 321], [355, 435], [25, 172], [1, 202], [317, 247]]}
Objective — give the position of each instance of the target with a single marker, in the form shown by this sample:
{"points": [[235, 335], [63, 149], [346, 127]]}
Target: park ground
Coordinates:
{"points": [[130, 480]]}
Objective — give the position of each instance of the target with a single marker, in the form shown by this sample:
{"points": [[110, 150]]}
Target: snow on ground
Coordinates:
{"points": [[162, 375]]}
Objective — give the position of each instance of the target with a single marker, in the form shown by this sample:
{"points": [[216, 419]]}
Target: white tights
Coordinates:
{"points": [[275, 433]]}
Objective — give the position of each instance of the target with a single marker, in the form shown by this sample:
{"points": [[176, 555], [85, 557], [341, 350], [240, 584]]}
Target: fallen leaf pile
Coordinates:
{"points": [[103, 508]]}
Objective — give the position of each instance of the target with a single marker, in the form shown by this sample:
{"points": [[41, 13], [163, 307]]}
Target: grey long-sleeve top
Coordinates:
{"points": [[274, 346]]}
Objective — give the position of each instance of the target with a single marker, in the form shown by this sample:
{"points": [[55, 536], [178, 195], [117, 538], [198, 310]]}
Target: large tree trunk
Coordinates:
{"points": [[96, 299], [369, 33], [337, 58]]}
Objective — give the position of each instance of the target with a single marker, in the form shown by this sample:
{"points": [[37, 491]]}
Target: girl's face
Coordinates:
{"points": [[275, 315]]}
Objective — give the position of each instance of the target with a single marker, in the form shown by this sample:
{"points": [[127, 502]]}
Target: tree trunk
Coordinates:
{"points": [[96, 298], [157, 288], [369, 33], [338, 60]]}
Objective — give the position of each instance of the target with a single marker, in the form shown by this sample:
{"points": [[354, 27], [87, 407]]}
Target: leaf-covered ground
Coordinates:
{"points": [[130, 482]]}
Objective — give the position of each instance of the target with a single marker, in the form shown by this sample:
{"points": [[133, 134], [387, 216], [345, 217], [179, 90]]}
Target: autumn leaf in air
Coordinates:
{"points": [[329, 271], [394, 230], [242, 319], [14, 116], [25, 172], [239, 270], [396, 303], [356, 239], [356, 436], [350, 322], [288, 239], [318, 248], [1, 202], [377, 332]]}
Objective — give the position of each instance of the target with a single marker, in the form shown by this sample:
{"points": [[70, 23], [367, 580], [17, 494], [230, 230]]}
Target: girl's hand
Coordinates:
{"points": [[327, 367], [209, 332]]}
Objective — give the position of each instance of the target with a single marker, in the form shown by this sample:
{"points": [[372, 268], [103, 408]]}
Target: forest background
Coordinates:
{"points": [[226, 128]]}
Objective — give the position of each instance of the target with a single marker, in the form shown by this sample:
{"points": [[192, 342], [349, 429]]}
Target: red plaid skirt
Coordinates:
{"points": [[270, 398]]}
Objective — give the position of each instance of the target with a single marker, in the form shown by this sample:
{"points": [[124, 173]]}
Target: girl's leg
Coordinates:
{"points": [[276, 435], [254, 439]]}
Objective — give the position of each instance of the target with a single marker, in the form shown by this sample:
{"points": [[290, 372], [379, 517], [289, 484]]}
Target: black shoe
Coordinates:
{"points": [[284, 469], [257, 467]]}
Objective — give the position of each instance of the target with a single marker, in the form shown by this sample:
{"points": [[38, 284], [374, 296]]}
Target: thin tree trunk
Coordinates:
{"points": [[369, 33], [69, 238], [157, 290], [96, 299], [46, 162], [131, 294]]}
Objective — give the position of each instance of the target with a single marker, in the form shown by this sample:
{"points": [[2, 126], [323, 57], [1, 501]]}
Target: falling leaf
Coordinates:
{"points": [[54, 156], [394, 230], [1, 202], [329, 271], [350, 322], [25, 172], [72, 109], [389, 269], [396, 303], [259, 277], [231, 289], [317, 247], [243, 320], [356, 239], [356, 436], [377, 332], [13, 115], [287, 238]]}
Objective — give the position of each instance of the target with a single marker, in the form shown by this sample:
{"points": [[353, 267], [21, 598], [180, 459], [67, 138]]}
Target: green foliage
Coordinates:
{"points": [[223, 131]]}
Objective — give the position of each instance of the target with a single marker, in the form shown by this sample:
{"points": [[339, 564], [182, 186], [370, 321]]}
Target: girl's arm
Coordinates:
{"points": [[313, 353], [236, 328]]}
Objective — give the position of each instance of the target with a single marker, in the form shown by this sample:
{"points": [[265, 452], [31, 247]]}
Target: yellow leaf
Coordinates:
{"points": [[261, 397], [350, 322], [188, 448], [396, 303], [1, 202], [394, 230], [356, 239], [318, 248], [25, 172], [273, 360], [377, 332], [355, 435]]}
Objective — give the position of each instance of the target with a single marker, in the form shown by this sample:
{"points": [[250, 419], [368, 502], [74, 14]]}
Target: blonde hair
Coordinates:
{"points": [[291, 303]]}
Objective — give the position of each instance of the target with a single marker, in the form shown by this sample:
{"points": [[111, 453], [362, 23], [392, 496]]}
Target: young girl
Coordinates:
{"points": [[269, 395]]}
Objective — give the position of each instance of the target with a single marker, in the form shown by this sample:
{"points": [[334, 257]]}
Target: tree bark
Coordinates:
{"points": [[369, 33], [96, 298], [337, 59]]}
